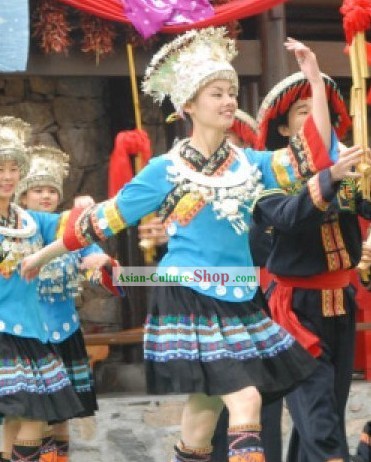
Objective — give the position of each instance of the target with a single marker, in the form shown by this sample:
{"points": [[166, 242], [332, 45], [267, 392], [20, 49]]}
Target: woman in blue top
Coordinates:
{"points": [[211, 341], [58, 285], [34, 384]]}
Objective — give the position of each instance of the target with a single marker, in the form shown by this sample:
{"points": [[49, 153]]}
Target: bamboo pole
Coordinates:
{"points": [[358, 59], [147, 245], [358, 62]]}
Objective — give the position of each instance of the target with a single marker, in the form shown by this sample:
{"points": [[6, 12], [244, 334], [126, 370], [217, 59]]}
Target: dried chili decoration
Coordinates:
{"points": [[51, 27], [99, 36]]}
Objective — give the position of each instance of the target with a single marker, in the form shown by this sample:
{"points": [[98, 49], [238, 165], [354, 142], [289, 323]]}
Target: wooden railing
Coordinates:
{"points": [[98, 344], [122, 337]]}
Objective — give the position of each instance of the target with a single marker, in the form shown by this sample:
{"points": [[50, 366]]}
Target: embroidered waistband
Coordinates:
{"points": [[330, 280]]}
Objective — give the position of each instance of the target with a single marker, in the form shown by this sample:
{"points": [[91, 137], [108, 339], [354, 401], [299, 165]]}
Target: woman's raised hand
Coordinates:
{"points": [[305, 57]]}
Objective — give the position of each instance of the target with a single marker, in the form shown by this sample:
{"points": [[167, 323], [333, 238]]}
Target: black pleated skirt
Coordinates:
{"points": [[198, 344], [34, 383], [76, 361]]}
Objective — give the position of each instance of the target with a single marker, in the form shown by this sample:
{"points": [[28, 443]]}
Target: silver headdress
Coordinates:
{"points": [[49, 166], [180, 68], [12, 137]]}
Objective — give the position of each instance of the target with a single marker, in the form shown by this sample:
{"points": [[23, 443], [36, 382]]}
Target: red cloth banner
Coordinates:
{"points": [[233, 10]]}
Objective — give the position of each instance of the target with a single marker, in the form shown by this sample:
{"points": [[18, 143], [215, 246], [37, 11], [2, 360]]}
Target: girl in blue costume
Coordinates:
{"points": [[34, 384], [213, 342], [59, 283]]}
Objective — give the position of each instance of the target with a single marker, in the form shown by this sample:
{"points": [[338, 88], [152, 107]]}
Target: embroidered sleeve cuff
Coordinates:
{"points": [[307, 151], [318, 156], [107, 280], [73, 238], [62, 223], [95, 223], [322, 190]]}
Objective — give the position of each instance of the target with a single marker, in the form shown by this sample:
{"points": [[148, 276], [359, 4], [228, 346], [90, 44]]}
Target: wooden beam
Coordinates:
{"points": [[122, 337], [315, 3], [248, 63], [274, 57], [135, 336]]}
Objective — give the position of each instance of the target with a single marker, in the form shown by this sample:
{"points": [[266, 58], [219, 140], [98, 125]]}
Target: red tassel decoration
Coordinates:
{"points": [[99, 36], [357, 17], [127, 143]]}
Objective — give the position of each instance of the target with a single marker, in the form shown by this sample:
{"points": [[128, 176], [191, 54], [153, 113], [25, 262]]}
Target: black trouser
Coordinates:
{"points": [[271, 431], [220, 440], [317, 416], [317, 406]]}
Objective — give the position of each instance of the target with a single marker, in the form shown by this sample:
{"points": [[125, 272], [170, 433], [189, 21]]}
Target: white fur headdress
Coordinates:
{"points": [[180, 68], [20, 128], [14, 133], [49, 166]]}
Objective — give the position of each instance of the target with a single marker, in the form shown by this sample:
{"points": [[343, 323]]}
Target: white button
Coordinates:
{"points": [[205, 285], [284, 161], [238, 292], [2, 325], [56, 335], [221, 290], [171, 229], [74, 317], [173, 271], [251, 286], [17, 329], [102, 223], [66, 326], [6, 246]]}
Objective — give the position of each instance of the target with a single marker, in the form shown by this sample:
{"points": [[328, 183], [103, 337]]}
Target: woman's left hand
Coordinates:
{"points": [[305, 57], [83, 201], [30, 267], [95, 261]]}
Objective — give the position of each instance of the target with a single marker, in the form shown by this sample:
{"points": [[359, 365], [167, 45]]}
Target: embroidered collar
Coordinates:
{"points": [[207, 166], [10, 228], [228, 192], [219, 161], [227, 179]]}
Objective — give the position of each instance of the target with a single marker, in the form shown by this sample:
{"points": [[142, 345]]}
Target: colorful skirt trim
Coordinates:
{"points": [[75, 358], [33, 381]]}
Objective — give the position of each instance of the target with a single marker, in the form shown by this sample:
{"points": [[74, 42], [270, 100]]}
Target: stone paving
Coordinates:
{"points": [[137, 428]]}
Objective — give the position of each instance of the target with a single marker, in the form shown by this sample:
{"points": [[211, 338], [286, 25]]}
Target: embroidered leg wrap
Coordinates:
{"points": [[62, 449], [186, 454], [48, 450], [26, 451], [245, 444]]}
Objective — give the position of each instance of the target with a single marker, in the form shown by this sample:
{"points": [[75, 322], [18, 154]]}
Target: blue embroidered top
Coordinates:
{"points": [[205, 215], [20, 311], [58, 285]]}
